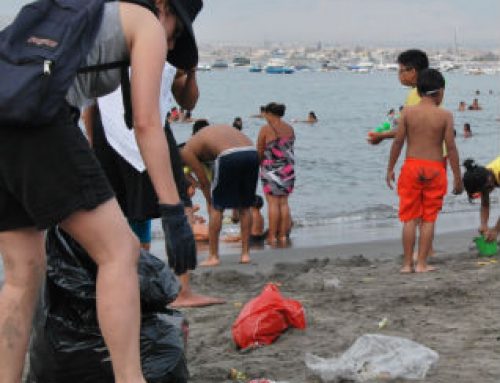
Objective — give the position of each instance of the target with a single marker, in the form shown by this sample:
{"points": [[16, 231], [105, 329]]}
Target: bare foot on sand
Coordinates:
{"points": [[424, 269], [432, 253], [245, 259], [283, 241], [210, 261], [406, 270], [272, 241], [196, 300]]}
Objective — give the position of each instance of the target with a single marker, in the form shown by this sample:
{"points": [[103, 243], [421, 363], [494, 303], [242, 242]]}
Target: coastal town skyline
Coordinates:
{"points": [[385, 23]]}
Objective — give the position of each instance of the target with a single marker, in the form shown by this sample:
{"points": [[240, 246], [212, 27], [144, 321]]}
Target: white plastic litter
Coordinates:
{"points": [[374, 358]]}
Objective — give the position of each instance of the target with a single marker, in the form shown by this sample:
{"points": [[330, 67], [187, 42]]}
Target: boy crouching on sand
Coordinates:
{"points": [[422, 182]]}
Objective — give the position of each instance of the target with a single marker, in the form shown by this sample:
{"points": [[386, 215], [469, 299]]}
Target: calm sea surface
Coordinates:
{"points": [[340, 178], [340, 193]]}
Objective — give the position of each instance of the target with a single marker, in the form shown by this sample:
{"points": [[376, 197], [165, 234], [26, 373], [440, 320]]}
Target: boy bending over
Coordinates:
{"points": [[422, 183]]}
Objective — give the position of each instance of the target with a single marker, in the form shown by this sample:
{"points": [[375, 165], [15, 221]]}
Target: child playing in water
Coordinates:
{"points": [[422, 183]]}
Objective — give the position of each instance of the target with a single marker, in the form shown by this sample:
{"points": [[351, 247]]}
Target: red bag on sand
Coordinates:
{"points": [[265, 317]]}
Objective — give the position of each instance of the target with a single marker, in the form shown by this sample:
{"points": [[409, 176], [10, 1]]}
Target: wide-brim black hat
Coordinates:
{"points": [[185, 53]]}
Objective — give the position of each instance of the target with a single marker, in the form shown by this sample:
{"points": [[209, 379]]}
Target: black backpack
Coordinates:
{"points": [[42, 51]]}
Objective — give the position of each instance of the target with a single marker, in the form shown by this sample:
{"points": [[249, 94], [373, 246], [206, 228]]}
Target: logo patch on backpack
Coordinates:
{"points": [[42, 42]]}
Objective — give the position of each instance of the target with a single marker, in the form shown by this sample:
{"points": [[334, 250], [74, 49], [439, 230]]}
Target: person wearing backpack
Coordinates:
{"points": [[49, 176]]}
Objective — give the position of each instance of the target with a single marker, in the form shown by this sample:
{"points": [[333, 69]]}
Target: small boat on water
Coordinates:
{"points": [[362, 67], [256, 68], [203, 67], [220, 64], [278, 66], [241, 61]]}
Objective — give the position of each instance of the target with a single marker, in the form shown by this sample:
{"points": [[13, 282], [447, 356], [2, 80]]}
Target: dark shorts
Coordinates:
{"points": [[235, 178], [48, 173]]}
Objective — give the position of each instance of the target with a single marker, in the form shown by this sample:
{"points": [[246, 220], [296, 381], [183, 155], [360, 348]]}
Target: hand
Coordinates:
{"points": [[491, 235], [375, 138], [483, 229], [179, 240], [390, 178], [458, 186], [189, 211]]}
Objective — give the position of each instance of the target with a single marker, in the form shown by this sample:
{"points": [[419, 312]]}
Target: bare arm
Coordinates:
{"points": [[147, 53], [190, 159], [88, 122], [185, 89], [397, 145], [261, 143], [451, 148], [375, 138], [484, 213]]}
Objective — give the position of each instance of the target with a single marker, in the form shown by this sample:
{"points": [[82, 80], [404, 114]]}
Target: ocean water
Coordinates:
{"points": [[340, 194], [340, 189]]}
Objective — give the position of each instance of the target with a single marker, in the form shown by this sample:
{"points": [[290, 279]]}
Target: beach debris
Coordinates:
{"points": [[265, 317], [265, 381], [374, 358], [383, 323], [237, 376], [331, 283], [486, 263]]}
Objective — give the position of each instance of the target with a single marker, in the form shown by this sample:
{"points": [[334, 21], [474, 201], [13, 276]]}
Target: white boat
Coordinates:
{"points": [[362, 67], [474, 71], [203, 67], [387, 67]]}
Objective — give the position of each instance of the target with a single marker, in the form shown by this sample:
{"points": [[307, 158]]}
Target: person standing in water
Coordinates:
{"points": [[275, 146]]}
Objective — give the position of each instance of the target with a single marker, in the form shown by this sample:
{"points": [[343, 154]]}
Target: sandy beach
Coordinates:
{"points": [[454, 311]]}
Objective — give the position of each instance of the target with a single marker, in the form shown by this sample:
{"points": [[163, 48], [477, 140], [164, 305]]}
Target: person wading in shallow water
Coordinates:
{"points": [[275, 146], [234, 182]]}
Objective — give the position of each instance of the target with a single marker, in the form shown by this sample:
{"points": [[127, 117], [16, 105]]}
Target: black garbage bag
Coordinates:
{"points": [[67, 345]]}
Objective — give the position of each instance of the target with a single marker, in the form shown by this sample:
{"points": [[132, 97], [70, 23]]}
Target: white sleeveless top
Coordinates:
{"points": [[122, 139]]}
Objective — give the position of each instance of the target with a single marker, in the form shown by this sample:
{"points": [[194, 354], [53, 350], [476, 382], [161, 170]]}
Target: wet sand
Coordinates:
{"points": [[454, 311]]}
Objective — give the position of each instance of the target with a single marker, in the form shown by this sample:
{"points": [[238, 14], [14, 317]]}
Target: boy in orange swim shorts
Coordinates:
{"points": [[422, 183]]}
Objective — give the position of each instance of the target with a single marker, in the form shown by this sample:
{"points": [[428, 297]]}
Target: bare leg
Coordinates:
{"points": [[431, 250], [409, 235], [273, 218], [187, 298], [285, 219], [424, 246], [245, 225], [214, 226], [107, 237], [24, 260]]}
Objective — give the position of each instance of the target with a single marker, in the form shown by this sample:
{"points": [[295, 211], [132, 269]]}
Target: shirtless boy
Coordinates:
{"points": [[422, 183], [234, 182]]}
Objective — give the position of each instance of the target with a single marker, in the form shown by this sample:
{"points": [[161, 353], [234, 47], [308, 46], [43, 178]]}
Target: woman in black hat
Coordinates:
{"points": [[50, 177]]}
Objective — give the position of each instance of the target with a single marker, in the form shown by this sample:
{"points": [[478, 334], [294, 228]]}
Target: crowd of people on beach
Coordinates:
{"points": [[103, 187]]}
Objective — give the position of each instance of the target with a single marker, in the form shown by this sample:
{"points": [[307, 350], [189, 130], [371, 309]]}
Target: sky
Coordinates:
{"points": [[419, 23]]}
